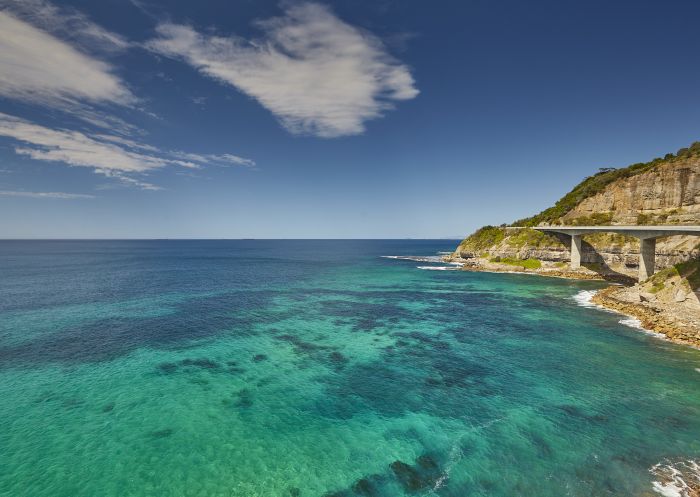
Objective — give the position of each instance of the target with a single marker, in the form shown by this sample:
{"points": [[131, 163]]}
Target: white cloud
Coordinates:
{"points": [[112, 156], [216, 159], [66, 23], [40, 68], [59, 195], [316, 73]]}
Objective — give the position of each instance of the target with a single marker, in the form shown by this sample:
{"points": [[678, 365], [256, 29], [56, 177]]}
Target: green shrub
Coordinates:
{"points": [[595, 219], [528, 237], [483, 238], [595, 184], [644, 218], [524, 263], [690, 270]]}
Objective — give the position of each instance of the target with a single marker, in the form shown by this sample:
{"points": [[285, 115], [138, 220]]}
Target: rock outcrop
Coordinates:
{"points": [[663, 191], [668, 193]]}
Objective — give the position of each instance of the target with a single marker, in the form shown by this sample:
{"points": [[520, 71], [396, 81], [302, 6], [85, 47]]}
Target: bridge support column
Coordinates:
{"points": [[575, 251], [647, 257]]}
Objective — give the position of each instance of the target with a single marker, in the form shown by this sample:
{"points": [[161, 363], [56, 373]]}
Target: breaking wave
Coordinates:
{"points": [[439, 268], [676, 479]]}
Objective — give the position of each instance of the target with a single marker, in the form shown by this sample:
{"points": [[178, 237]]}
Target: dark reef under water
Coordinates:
{"points": [[319, 368]]}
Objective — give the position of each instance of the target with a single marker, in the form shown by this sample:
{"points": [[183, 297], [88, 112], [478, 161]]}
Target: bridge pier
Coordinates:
{"points": [[647, 257], [647, 236], [575, 251]]}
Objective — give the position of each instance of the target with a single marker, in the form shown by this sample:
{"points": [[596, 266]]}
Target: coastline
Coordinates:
{"points": [[667, 318], [664, 319]]}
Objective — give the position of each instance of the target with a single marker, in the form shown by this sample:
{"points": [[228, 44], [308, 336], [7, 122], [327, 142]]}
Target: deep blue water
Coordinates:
{"points": [[312, 368]]}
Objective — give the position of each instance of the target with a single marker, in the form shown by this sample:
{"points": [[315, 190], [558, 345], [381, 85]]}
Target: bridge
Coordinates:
{"points": [[647, 236]]}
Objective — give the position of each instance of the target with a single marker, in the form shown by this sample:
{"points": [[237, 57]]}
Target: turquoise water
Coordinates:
{"points": [[312, 368]]}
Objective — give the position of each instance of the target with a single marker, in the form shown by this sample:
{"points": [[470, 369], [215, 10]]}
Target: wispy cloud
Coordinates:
{"points": [[53, 57], [216, 159], [316, 73], [66, 23], [58, 195], [112, 156], [38, 67]]}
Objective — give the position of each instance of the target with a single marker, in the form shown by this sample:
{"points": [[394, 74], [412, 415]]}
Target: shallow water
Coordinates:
{"points": [[306, 368]]}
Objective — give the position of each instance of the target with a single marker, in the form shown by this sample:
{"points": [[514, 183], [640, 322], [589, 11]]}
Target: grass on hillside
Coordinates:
{"points": [[689, 270], [483, 238], [524, 263], [597, 183], [490, 236]]}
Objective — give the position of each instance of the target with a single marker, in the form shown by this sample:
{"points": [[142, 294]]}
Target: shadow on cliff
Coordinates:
{"points": [[601, 267], [595, 262]]}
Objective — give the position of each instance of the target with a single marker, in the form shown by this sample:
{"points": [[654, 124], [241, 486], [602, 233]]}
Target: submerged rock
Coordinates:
{"points": [[167, 367], [428, 463], [200, 363], [338, 360], [108, 407], [419, 477], [162, 433], [367, 486], [259, 357], [244, 398], [409, 478]]}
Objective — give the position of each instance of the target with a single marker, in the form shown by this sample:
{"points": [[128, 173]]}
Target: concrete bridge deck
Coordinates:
{"points": [[647, 236]]}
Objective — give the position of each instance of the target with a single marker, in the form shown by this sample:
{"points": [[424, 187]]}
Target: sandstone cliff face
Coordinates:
{"points": [[669, 193], [624, 257]]}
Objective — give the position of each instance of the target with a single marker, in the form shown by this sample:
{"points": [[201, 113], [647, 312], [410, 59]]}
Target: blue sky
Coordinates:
{"points": [[344, 119]]}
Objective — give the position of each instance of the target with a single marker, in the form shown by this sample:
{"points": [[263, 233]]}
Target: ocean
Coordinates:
{"points": [[298, 368]]}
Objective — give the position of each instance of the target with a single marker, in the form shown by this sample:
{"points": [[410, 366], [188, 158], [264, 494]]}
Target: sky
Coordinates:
{"points": [[328, 119]]}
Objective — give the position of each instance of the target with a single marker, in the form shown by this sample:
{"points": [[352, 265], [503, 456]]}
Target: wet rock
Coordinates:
{"points": [[162, 433], [259, 357], [108, 407]]}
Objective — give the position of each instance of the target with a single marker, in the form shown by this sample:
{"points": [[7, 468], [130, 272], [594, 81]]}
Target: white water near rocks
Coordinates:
{"points": [[676, 479], [584, 298]]}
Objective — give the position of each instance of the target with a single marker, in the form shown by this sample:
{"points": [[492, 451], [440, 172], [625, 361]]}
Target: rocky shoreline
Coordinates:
{"points": [[674, 322], [679, 321]]}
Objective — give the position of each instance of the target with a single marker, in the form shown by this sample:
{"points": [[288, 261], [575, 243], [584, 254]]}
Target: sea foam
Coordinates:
{"points": [[438, 268], [584, 298], [679, 479]]}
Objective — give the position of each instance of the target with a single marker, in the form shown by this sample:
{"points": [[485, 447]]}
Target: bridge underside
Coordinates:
{"points": [[647, 236]]}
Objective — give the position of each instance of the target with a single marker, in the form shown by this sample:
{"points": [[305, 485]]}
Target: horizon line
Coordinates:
{"points": [[215, 239]]}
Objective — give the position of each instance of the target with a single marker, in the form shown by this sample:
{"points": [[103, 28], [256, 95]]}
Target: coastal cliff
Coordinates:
{"points": [[662, 191]]}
